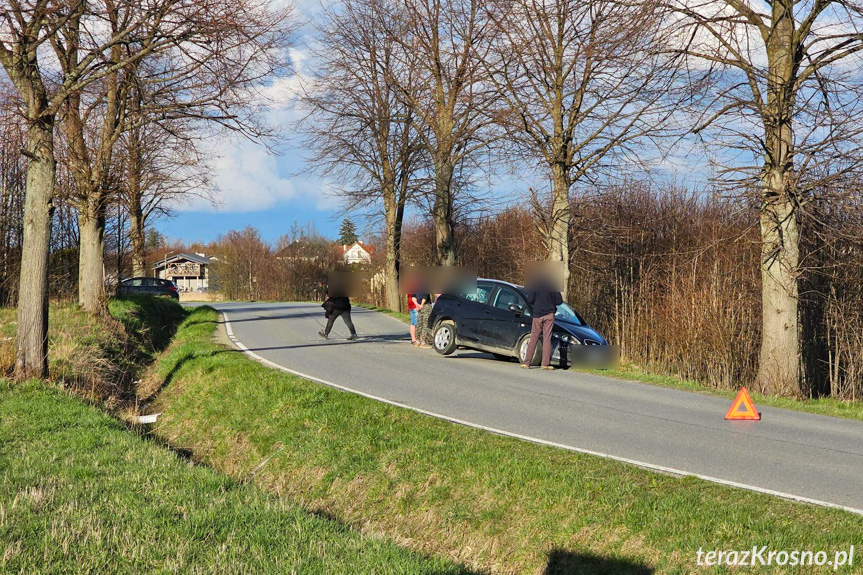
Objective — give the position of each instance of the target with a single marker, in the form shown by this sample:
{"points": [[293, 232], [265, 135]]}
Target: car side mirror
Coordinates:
{"points": [[516, 308]]}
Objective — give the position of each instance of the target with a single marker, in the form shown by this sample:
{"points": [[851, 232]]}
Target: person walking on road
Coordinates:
{"points": [[338, 307], [544, 303]]}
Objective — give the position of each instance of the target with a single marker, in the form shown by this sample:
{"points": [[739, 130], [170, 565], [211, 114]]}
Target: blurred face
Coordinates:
{"points": [[437, 279], [345, 284], [545, 276]]}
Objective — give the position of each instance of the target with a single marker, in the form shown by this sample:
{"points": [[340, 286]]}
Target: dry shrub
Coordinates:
{"points": [[91, 356], [672, 277]]}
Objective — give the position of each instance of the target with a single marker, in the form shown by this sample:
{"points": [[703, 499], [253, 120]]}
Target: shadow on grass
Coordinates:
{"points": [[168, 378], [562, 562]]}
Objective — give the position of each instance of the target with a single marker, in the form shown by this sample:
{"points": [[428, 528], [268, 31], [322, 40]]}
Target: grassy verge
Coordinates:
{"points": [[821, 406], [488, 501], [81, 494], [98, 358]]}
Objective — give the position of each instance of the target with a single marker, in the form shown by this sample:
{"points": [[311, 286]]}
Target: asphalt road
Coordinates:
{"points": [[797, 455]]}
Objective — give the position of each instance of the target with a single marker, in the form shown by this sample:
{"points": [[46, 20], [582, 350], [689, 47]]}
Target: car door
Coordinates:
{"points": [[152, 286], [132, 286], [470, 310], [507, 318]]}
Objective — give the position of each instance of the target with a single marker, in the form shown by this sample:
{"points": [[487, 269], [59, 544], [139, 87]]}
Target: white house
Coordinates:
{"points": [[188, 271], [358, 253]]}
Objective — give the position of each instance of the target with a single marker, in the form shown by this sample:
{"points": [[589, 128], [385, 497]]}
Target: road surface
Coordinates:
{"points": [[792, 454]]}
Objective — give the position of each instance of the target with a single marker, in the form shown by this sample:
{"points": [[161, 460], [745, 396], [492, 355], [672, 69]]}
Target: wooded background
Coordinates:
{"points": [[414, 106]]}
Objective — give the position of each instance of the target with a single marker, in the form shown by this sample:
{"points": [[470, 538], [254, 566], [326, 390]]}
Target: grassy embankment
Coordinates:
{"points": [[99, 358], [81, 493], [442, 489], [821, 406]]}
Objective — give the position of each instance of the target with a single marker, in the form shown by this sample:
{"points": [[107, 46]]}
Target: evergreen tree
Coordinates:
{"points": [[155, 240], [347, 232]]}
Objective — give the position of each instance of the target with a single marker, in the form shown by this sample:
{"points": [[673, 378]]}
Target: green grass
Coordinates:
{"points": [[488, 501], [821, 406], [81, 494], [98, 357]]}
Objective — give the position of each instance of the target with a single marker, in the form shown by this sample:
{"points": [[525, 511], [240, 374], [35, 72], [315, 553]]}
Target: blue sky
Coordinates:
{"points": [[254, 187]]}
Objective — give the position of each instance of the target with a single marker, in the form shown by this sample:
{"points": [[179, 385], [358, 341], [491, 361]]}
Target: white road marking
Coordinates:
{"points": [[642, 464]]}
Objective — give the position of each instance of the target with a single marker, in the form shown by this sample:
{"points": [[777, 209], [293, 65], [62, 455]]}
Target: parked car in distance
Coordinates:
{"points": [[149, 286], [497, 319]]}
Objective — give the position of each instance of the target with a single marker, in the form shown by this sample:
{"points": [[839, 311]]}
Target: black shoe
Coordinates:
{"points": [[352, 337], [322, 334]]}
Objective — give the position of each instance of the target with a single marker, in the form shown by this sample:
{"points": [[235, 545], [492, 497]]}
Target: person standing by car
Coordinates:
{"points": [[544, 304], [336, 307], [412, 311], [416, 302], [424, 307]]}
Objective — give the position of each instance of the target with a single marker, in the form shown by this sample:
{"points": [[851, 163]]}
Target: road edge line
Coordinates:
{"points": [[641, 464]]}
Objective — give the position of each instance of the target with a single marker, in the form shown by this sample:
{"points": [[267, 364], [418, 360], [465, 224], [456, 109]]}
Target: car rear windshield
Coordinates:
{"points": [[480, 295]]}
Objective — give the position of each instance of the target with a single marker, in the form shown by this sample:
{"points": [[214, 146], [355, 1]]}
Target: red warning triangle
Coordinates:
{"points": [[742, 408]]}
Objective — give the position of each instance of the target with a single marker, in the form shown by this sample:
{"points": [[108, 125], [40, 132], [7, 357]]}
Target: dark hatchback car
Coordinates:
{"points": [[497, 319], [149, 286]]}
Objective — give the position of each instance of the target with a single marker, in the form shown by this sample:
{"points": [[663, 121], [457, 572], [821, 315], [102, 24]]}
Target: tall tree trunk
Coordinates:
{"points": [[779, 362], [32, 339], [442, 212], [138, 239], [558, 231], [136, 212], [91, 268], [393, 214], [778, 368]]}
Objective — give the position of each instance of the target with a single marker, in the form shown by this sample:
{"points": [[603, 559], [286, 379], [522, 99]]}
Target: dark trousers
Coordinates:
{"points": [[346, 315], [541, 324]]}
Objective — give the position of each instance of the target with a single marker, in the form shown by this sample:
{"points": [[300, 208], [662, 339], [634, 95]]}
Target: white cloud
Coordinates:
{"points": [[245, 177]]}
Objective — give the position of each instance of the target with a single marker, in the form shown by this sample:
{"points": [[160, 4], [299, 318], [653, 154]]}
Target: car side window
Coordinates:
{"points": [[480, 295], [136, 282], [507, 297]]}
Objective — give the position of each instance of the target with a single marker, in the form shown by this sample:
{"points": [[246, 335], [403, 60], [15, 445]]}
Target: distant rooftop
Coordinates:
{"points": [[196, 258]]}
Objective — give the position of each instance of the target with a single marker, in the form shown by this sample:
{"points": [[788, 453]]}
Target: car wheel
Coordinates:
{"points": [[445, 337], [522, 351]]}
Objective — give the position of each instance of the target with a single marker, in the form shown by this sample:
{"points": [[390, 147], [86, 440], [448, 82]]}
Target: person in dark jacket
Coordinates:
{"points": [[338, 307], [544, 303]]}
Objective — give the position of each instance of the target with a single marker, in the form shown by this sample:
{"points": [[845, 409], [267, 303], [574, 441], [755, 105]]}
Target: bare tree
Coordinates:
{"points": [[579, 81], [446, 42], [25, 28], [93, 41], [359, 125], [160, 169], [786, 97], [205, 74]]}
